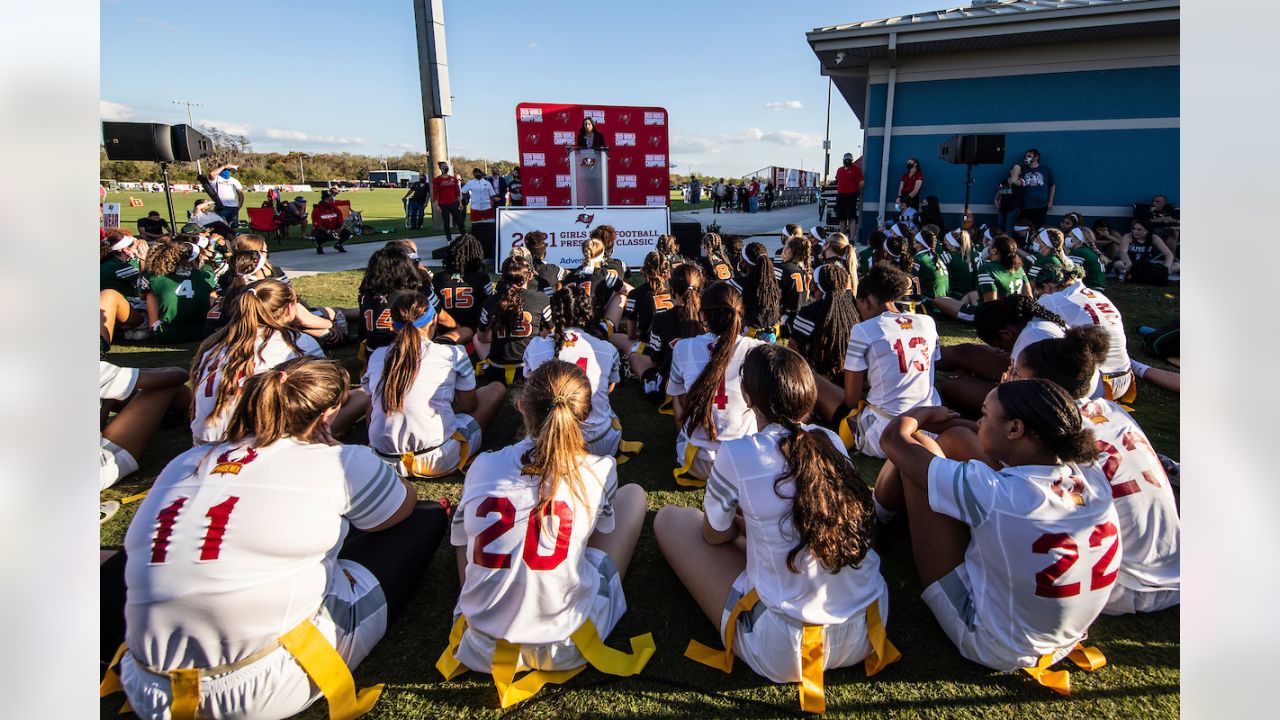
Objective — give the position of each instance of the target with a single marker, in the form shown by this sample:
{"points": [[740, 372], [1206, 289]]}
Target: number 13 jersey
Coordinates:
{"points": [[897, 351], [529, 582]]}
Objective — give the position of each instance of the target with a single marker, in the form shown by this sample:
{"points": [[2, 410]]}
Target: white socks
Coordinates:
{"points": [[1139, 369]]}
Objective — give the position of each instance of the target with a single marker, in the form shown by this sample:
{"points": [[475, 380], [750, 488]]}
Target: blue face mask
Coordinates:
{"points": [[225, 174]]}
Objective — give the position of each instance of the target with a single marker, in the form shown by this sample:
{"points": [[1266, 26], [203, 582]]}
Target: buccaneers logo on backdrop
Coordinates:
{"points": [[655, 140], [624, 118], [533, 138], [656, 182], [588, 162], [229, 466], [585, 218], [626, 161], [562, 116], [536, 182]]}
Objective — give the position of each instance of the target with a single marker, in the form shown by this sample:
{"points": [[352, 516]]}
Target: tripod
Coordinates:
{"points": [[168, 195]]}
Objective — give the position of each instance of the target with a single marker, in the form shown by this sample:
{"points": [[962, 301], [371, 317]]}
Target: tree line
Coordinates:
{"points": [[283, 168]]}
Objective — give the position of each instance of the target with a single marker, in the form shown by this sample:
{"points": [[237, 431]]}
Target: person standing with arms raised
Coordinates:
{"points": [[226, 192], [849, 184], [448, 191]]}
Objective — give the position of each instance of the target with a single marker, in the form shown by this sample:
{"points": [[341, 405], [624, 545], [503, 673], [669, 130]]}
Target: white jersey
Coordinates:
{"points": [[529, 583], [1039, 329], [266, 356], [236, 545], [729, 409], [1144, 501], [743, 476], [897, 351], [1080, 306], [427, 419], [1043, 556], [597, 358]]}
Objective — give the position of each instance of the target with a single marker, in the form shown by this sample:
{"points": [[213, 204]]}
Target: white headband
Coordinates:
{"points": [[986, 234], [262, 262], [1042, 239], [413, 256], [1077, 233], [746, 259], [595, 259], [195, 252], [952, 239], [122, 243], [919, 237]]}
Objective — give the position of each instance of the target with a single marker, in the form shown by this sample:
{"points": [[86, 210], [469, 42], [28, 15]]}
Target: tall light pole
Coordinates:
{"points": [[301, 170], [437, 101], [190, 122]]}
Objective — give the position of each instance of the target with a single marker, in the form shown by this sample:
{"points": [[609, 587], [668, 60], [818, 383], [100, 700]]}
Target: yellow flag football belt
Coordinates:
{"points": [[1085, 658], [317, 657], [506, 656], [812, 695], [412, 466]]}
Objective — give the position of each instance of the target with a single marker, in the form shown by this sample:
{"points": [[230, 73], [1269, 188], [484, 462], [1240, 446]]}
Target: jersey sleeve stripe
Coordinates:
{"points": [[373, 494], [720, 491], [960, 489]]}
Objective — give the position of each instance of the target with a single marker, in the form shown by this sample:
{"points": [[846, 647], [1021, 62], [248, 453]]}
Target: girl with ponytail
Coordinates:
{"points": [[644, 304], [986, 531], [1048, 248], [544, 536], [706, 385], [1083, 250], [930, 270], [867, 257], [794, 272], [958, 255], [715, 260], [548, 274], [603, 285], [571, 342], [120, 294], [509, 320], [1150, 578], [999, 275], [239, 548], [257, 337], [809, 527], [760, 294], [427, 415], [820, 331], [1005, 327], [653, 364], [838, 249]]}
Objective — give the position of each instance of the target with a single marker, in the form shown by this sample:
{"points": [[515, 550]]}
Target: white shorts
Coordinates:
{"points": [[606, 444], [702, 462], [353, 618], [951, 600], [475, 650], [114, 463], [870, 425], [769, 642], [1126, 601], [444, 459]]}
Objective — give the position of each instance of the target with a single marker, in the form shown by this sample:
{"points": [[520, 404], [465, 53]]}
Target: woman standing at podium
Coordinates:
{"points": [[589, 137]]}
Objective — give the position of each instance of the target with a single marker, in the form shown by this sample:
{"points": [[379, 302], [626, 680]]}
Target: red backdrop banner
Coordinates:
{"points": [[639, 151]]}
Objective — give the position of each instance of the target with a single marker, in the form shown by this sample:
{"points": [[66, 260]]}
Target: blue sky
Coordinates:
{"points": [[739, 81]]}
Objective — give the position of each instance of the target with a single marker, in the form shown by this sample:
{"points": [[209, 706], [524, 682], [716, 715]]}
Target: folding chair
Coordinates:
{"points": [[263, 220]]}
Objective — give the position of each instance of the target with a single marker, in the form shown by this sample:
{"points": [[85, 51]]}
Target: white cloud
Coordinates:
{"points": [[533, 45], [302, 137], [785, 105], [231, 128], [108, 110], [796, 139], [158, 23]]}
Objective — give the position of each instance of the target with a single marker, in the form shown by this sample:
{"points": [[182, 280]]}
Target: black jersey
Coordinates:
{"points": [[642, 306], [716, 269], [793, 282], [463, 297], [754, 315], [617, 267], [663, 335], [548, 276], [600, 284], [376, 329], [508, 344]]}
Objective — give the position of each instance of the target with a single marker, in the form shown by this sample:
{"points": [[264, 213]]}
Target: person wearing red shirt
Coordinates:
{"points": [[447, 190], [327, 224], [753, 194], [849, 184], [912, 182]]}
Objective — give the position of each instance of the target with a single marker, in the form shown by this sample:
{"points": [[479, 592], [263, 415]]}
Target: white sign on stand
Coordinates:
{"points": [[110, 215], [567, 228]]}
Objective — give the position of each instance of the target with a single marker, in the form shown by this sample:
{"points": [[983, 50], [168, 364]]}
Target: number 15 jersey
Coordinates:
{"points": [[897, 351], [528, 580]]}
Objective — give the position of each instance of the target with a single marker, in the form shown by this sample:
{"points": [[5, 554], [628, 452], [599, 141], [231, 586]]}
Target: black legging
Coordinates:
{"points": [[397, 557]]}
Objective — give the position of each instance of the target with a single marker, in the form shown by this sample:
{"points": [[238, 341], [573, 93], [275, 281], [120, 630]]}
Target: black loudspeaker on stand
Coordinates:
{"points": [[970, 150], [155, 142]]}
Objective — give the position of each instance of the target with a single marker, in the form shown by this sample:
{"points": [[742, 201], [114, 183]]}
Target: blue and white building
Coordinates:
{"points": [[1091, 84]]}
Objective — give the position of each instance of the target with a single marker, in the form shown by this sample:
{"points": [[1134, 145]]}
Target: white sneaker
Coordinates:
{"points": [[107, 510], [136, 334], [1175, 277]]}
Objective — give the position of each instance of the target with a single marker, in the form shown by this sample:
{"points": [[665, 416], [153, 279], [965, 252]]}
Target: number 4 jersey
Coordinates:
{"points": [[528, 580], [1043, 556]]}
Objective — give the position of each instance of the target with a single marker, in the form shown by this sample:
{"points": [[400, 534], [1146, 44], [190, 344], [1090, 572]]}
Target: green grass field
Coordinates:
{"points": [[932, 680], [380, 208]]}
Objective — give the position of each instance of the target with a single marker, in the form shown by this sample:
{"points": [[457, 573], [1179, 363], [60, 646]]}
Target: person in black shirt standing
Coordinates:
{"points": [[515, 189], [416, 198]]}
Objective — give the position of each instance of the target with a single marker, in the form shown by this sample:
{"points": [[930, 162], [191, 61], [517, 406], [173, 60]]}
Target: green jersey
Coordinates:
{"points": [[959, 270], [1042, 262], [996, 278], [866, 258], [932, 273], [1095, 273], [117, 274], [184, 298]]}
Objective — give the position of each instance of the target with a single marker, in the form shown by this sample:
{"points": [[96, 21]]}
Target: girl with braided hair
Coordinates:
{"points": [[1005, 327], [958, 255], [820, 331], [571, 342], [794, 273], [427, 414], [644, 304], [929, 268], [760, 293], [544, 536], [684, 320], [509, 321], [548, 274], [808, 565], [1083, 250], [706, 385], [715, 262], [464, 286], [1015, 549], [669, 248], [1149, 578], [867, 256], [603, 286]]}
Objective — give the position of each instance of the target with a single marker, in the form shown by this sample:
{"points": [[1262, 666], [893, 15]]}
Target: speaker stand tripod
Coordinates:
{"points": [[168, 196], [968, 182]]}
